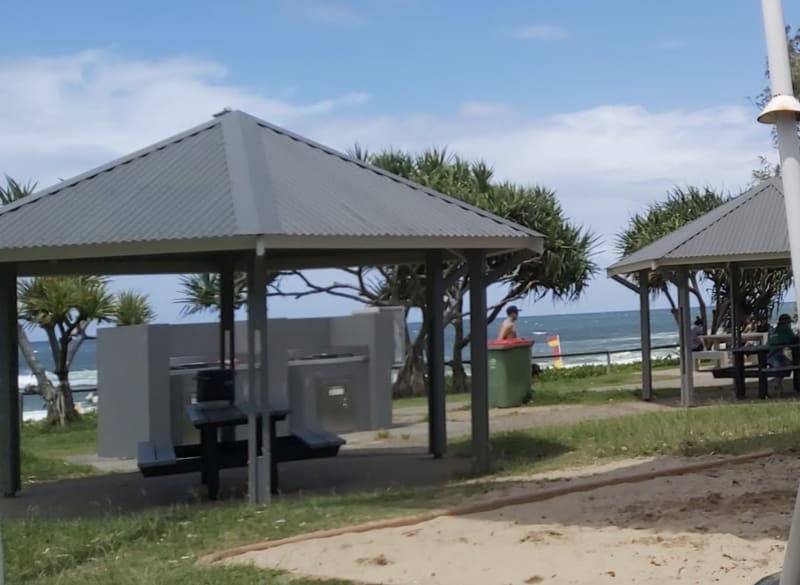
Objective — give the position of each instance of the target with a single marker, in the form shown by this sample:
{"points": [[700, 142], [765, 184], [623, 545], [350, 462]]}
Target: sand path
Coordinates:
{"points": [[723, 525]]}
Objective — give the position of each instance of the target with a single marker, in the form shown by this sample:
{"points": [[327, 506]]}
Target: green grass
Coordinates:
{"points": [[581, 385], [597, 389], [717, 429], [422, 401], [44, 448]]}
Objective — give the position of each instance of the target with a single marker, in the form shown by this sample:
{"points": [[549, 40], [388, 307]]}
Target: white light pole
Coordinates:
{"points": [[783, 110]]}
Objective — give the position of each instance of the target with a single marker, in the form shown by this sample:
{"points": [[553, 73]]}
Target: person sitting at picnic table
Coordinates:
{"points": [[697, 333], [782, 336], [750, 324]]}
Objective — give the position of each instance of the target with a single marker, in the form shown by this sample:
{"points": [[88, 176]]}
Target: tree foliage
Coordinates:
{"points": [[64, 307], [132, 308], [203, 292]]}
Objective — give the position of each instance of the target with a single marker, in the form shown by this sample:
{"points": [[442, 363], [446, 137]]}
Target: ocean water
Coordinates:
{"points": [[616, 332]]}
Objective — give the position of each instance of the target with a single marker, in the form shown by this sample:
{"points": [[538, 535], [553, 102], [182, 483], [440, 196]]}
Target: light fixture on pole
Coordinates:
{"points": [[783, 110]]}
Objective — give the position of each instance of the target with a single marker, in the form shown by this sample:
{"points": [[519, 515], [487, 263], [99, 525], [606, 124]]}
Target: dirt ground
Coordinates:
{"points": [[725, 525]]}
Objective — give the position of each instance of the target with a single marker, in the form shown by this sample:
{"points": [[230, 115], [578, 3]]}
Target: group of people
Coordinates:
{"points": [[782, 336]]}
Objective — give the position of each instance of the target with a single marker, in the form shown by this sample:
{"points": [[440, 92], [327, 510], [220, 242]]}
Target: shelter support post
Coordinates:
{"points": [[733, 292], [10, 471], [437, 412], [227, 348], [259, 466], [226, 339], [476, 260], [685, 326], [644, 323]]}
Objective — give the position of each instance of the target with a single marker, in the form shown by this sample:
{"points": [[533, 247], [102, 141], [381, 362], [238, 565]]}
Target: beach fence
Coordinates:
{"points": [[557, 359], [606, 353]]}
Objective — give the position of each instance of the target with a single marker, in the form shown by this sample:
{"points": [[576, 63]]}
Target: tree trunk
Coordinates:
{"points": [[460, 382], [60, 406], [61, 410], [695, 289], [411, 377]]}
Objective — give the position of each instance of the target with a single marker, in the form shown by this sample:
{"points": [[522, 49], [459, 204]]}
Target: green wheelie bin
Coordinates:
{"points": [[509, 372]]}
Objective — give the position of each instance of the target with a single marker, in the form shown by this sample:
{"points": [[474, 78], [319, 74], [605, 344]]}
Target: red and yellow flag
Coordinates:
{"points": [[554, 341]]}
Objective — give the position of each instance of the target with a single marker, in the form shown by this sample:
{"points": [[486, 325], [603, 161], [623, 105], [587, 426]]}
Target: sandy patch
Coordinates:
{"points": [[722, 525]]}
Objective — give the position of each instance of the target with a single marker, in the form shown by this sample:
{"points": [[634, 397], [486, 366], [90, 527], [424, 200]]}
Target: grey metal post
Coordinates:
{"points": [[644, 323], [10, 471], [733, 290], [227, 349], [476, 261], [259, 472], [687, 369], [437, 410], [226, 319]]}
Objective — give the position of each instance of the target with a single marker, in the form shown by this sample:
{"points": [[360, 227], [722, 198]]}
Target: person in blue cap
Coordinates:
{"points": [[508, 330]]}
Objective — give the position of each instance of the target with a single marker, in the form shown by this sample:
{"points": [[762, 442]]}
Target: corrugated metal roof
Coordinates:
{"points": [[237, 176], [750, 226]]}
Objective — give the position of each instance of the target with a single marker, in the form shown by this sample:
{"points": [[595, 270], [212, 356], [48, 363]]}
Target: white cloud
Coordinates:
{"points": [[541, 32], [65, 115]]}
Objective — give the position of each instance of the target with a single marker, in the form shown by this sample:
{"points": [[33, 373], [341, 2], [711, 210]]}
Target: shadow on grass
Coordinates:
{"points": [[514, 449]]}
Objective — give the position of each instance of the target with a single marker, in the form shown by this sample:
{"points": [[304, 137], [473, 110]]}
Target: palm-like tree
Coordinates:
{"points": [[64, 307], [202, 292], [132, 308], [14, 190]]}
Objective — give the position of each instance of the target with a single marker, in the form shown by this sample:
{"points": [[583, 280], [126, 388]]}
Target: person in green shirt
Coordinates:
{"points": [[781, 337]]}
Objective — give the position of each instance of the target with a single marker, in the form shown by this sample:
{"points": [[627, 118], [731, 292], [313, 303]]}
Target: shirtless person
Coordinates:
{"points": [[507, 329]]}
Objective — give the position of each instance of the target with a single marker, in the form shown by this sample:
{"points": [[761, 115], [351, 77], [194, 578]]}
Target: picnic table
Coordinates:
{"points": [[762, 370], [216, 454], [714, 341]]}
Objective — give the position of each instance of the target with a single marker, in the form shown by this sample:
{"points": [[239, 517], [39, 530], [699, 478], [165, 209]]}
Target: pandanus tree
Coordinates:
{"points": [[64, 307], [132, 308]]}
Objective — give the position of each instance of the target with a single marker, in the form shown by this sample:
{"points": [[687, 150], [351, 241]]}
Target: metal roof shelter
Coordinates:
{"points": [[238, 193], [749, 231]]}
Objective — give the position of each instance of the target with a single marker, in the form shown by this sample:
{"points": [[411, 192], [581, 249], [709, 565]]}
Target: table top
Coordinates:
{"points": [[728, 337], [227, 415]]}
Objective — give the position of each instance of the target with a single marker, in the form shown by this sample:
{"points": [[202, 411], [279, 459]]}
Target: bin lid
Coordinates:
{"points": [[510, 343]]}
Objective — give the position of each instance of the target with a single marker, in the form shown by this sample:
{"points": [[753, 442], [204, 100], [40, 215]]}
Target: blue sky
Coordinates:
{"points": [[609, 103]]}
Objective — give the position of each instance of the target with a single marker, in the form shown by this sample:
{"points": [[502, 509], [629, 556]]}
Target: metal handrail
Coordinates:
{"points": [[540, 357]]}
